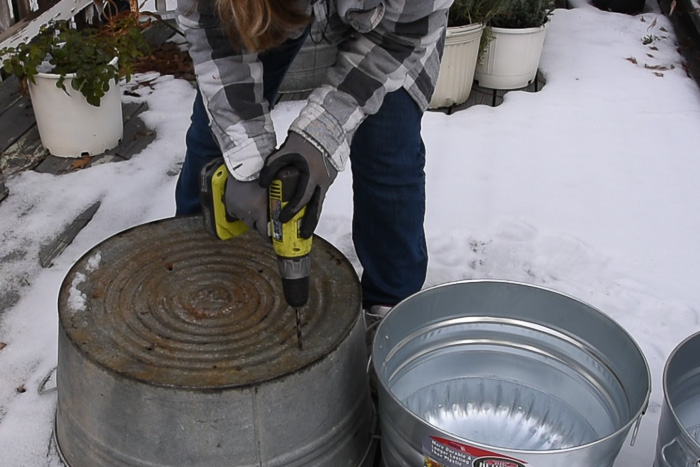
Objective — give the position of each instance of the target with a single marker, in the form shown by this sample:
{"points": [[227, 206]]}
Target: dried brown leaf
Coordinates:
{"points": [[659, 67], [3, 345], [81, 163], [653, 47], [21, 389], [659, 74], [631, 59]]}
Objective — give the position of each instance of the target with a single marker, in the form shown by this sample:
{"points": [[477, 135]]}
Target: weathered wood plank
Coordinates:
{"points": [[3, 189], [50, 251], [6, 18], [16, 114], [25, 154], [9, 93], [136, 136], [16, 122], [56, 165]]}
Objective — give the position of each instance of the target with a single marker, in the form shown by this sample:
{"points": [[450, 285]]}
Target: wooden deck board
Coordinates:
{"points": [[25, 153], [16, 113]]}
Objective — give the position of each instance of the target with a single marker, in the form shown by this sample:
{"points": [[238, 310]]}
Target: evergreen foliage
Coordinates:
{"points": [[523, 14]]}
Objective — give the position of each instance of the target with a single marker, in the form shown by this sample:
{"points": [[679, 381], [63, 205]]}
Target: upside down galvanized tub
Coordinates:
{"points": [[495, 373], [178, 349], [678, 441]]}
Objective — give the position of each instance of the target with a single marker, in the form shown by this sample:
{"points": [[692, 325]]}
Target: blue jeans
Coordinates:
{"points": [[201, 144], [387, 160]]}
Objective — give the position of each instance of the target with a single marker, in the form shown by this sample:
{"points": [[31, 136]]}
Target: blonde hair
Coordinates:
{"points": [[259, 25]]}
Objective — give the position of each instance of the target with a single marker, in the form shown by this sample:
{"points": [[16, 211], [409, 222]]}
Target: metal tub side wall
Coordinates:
{"points": [[320, 415], [675, 447], [403, 434]]}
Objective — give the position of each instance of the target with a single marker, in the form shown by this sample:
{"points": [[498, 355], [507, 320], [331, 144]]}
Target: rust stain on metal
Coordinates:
{"points": [[171, 306]]}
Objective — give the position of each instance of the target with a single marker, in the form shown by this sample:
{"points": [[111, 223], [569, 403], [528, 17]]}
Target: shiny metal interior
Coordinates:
{"points": [[507, 383], [510, 366]]}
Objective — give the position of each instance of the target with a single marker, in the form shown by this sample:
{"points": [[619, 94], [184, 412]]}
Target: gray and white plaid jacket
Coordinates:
{"points": [[391, 44]]}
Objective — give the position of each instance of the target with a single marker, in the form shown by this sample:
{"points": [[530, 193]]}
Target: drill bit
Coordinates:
{"points": [[297, 311]]}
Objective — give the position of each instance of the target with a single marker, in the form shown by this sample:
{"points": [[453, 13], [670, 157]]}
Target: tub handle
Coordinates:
{"points": [[636, 430], [43, 386], [668, 445]]}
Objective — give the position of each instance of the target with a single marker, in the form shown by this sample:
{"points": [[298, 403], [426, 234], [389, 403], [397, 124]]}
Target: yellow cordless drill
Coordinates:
{"points": [[292, 250]]}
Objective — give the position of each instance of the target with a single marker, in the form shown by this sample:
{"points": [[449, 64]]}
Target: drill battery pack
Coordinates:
{"points": [[212, 188]]}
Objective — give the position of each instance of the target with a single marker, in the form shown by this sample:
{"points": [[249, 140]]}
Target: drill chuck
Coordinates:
{"points": [[295, 279]]}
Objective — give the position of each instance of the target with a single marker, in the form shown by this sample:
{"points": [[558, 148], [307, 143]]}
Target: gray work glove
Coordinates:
{"points": [[247, 201], [315, 176]]}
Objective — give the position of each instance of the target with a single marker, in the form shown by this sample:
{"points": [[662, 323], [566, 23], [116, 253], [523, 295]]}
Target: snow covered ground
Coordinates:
{"points": [[587, 187]]}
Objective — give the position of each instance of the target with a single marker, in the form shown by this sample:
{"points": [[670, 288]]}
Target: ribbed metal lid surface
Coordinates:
{"points": [[167, 304]]}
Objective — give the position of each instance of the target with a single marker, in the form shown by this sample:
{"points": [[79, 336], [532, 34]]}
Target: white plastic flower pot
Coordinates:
{"points": [[457, 67], [511, 58], [68, 125]]}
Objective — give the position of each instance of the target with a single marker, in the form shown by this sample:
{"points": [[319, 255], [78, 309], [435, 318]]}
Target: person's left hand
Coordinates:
{"points": [[315, 176]]}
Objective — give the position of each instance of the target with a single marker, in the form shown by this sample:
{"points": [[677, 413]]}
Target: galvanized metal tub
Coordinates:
{"points": [[178, 349], [678, 441], [496, 373]]}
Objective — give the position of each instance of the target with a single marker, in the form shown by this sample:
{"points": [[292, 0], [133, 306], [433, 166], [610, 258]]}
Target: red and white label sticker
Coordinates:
{"points": [[443, 452]]}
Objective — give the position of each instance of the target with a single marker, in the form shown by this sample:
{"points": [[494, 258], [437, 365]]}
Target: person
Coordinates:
{"points": [[368, 111]]}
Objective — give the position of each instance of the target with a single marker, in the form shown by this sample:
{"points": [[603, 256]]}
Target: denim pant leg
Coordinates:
{"points": [[387, 159], [201, 144]]}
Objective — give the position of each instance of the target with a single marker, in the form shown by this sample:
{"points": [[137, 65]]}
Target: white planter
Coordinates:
{"points": [[511, 59], [68, 125], [457, 67]]}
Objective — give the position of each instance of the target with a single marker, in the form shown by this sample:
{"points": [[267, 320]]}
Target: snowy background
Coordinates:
{"points": [[587, 187]]}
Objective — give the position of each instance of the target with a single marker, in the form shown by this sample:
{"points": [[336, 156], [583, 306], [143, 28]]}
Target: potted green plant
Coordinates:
{"points": [[73, 77], [466, 21], [515, 39]]}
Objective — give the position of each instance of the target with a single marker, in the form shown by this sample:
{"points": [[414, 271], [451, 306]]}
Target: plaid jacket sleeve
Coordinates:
{"points": [[230, 82], [395, 44]]}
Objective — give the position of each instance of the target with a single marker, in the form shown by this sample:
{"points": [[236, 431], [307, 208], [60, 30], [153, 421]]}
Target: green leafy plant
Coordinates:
{"points": [[92, 57], [463, 12], [519, 14]]}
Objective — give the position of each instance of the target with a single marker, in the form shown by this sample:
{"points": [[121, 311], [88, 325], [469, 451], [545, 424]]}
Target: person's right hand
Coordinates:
{"points": [[248, 202]]}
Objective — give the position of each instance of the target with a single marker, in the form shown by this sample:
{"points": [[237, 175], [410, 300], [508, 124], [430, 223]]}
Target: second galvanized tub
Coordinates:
{"points": [[496, 373], [178, 349], [678, 442]]}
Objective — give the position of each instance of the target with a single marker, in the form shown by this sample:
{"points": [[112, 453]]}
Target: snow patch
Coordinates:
{"points": [[77, 299], [93, 262]]}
